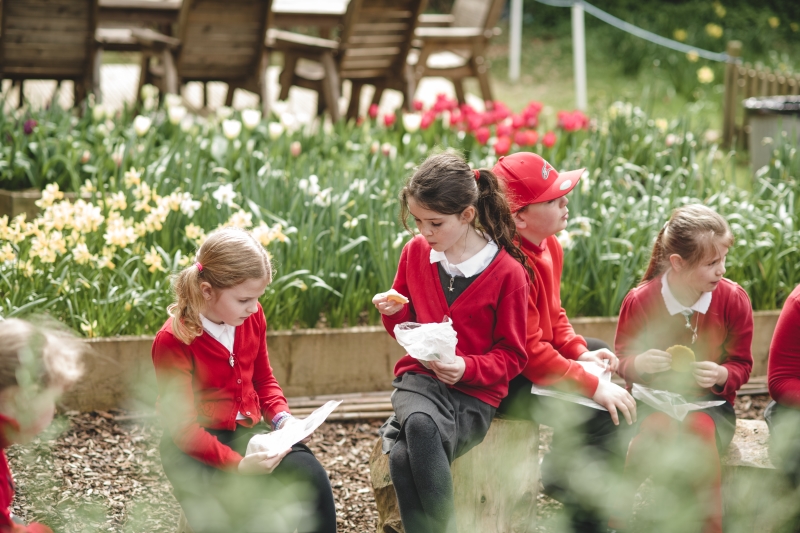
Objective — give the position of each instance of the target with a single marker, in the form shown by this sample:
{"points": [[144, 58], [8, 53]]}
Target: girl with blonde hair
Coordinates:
{"points": [[215, 388]]}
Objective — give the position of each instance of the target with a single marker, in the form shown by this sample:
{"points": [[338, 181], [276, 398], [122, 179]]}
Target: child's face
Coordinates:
{"points": [[441, 231], [706, 275], [235, 304], [536, 222], [32, 414]]}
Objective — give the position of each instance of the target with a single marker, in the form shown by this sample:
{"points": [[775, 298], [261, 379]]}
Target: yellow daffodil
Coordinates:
{"points": [[7, 253], [154, 260], [87, 188], [714, 30], [81, 254], [105, 262], [240, 219], [132, 178], [705, 75], [194, 232], [692, 56], [90, 328], [128, 307], [49, 195], [116, 201], [662, 124], [774, 22], [719, 9], [680, 35]]}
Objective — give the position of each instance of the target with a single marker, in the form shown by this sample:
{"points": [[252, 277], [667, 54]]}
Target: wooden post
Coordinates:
{"points": [[734, 50], [496, 483]]}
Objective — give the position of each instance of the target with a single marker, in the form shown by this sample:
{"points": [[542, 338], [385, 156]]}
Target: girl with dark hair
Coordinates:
{"points": [[463, 265], [685, 302]]}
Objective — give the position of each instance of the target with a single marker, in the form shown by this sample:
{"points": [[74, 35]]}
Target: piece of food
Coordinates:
{"points": [[682, 358], [395, 296]]}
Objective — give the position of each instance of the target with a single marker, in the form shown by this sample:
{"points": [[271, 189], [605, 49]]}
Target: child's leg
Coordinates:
{"points": [[709, 493], [424, 456]]}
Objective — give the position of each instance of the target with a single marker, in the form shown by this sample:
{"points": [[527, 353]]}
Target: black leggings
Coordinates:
{"points": [[422, 480], [297, 495]]}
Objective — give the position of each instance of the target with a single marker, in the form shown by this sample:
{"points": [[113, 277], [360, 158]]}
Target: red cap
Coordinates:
{"points": [[529, 179]]}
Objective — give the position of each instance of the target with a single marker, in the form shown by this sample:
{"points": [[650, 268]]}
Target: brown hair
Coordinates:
{"points": [[446, 184], [36, 357], [228, 257], [692, 232]]}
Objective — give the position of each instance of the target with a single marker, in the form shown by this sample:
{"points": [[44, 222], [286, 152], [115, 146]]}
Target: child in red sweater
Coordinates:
{"points": [[585, 442], [463, 265], [215, 384], [36, 366], [783, 413], [684, 299]]}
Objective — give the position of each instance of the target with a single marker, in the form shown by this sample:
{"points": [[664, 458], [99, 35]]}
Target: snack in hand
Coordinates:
{"points": [[395, 296], [682, 358]]}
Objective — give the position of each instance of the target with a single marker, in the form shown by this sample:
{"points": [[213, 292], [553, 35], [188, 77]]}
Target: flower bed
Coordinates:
{"points": [[324, 203]]}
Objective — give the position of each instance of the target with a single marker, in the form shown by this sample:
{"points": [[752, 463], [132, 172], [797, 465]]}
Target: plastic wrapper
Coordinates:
{"points": [[670, 403], [428, 342], [602, 372]]}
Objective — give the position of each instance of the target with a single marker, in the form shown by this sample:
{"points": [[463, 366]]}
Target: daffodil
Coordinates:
{"points": [[81, 254], [7, 253], [705, 75], [50, 194], [714, 30], [154, 260], [90, 328], [680, 35], [194, 232], [662, 124], [692, 56], [240, 219], [224, 195], [132, 178], [719, 9], [116, 201], [774, 22]]}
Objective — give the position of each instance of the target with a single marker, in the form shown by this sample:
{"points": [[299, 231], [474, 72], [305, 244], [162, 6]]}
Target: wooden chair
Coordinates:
{"points": [[217, 40], [50, 39], [454, 46], [372, 49]]}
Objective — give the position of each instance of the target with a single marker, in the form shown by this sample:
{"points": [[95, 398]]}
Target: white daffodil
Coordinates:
{"points": [[224, 195]]}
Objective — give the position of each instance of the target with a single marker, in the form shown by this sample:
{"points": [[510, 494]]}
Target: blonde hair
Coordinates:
{"points": [[693, 232], [228, 257], [38, 357]]}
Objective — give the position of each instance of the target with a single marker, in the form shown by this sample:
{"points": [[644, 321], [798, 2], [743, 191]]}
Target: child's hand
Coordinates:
{"points": [[261, 463], [708, 373], [600, 357], [613, 397], [450, 373], [652, 362], [386, 306]]}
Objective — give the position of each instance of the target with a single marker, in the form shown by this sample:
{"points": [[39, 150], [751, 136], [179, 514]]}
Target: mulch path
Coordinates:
{"points": [[101, 472]]}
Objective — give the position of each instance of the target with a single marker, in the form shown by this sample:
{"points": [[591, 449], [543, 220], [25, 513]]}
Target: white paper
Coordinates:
{"points": [[292, 432], [601, 371], [670, 403], [428, 342]]}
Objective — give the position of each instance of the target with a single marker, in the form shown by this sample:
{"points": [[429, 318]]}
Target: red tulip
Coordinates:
{"points": [[549, 139], [520, 138], [427, 120], [482, 134], [532, 136], [474, 122], [517, 121], [417, 104], [373, 111], [504, 130], [388, 119], [502, 146]]}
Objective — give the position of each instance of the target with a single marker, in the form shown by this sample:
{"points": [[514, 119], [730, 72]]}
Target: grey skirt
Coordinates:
{"points": [[724, 417], [462, 420]]}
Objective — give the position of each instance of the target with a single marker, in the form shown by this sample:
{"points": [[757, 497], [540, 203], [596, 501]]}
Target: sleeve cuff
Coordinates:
{"points": [[469, 369]]}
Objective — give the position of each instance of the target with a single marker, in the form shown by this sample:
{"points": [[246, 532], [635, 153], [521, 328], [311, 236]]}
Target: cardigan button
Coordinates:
{"points": [[238, 381], [238, 398], [247, 413]]}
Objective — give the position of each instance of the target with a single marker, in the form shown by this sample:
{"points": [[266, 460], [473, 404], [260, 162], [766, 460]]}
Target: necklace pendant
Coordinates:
{"points": [[230, 360], [694, 337], [450, 288]]}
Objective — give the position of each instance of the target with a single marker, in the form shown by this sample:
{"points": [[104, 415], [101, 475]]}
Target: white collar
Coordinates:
{"points": [[474, 265], [674, 306], [223, 333]]}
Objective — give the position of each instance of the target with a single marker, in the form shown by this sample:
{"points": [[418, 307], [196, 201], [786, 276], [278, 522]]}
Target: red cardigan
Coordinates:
{"points": [[489, 319], [724, 335], [552, 345], [7, 489], [198, 388], [784, 354]]}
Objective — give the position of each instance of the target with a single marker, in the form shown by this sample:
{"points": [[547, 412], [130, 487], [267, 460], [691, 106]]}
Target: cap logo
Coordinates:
{"points": [[565, 185], [546, 170]]}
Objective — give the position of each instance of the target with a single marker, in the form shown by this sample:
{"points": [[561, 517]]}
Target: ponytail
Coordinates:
{"points": [[494, 215], [446, 184], [228, 257]]}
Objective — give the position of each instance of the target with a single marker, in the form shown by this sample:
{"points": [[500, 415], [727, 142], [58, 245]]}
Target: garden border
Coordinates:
{"points": [[306, 362]]}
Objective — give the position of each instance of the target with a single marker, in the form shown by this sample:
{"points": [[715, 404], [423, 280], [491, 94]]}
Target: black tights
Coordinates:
{"points": [[421, 476]]}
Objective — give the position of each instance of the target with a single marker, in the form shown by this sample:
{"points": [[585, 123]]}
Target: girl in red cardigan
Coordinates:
{"points": [[783, 413], [463, 265], [36, 367], [215, 387], [683, 299]]}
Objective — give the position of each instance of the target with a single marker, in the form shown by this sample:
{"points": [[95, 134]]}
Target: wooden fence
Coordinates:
{"points": [[743, 81]]}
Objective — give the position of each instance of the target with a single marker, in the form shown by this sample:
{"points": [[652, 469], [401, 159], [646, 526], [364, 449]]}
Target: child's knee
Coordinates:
{"points": [[420, 426], [701, 425]]}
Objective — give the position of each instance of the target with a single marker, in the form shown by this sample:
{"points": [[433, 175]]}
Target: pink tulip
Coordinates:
{"points": [[373, 111], [427, 120], [388, 119], [417, 104], [482, 135], [295, 148], [502, 146], [549, 139]]}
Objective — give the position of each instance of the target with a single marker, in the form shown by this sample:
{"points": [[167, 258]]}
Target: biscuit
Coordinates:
{"points": [[682, 358], [395, 296]]}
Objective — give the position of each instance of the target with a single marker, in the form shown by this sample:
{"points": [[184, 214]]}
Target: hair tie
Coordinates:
{"points": [[199, 266], [477, 174]]}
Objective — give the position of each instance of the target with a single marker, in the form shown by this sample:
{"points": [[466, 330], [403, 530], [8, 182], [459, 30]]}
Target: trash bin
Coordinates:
{"points": [[769, 117]]}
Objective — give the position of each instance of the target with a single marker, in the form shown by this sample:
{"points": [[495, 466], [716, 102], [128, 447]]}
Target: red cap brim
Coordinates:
{"points": [[565, 182]]}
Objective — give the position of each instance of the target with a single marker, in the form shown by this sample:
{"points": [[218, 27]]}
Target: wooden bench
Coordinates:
{"points": [[496, 483]]}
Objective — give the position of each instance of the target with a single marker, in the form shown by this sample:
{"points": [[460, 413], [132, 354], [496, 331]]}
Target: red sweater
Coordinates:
{"points": [[784, 354], [724, 335], [7, 489], [198, 388], [552, 345], [489, 319]]}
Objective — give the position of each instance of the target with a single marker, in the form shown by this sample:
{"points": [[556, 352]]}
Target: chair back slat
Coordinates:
{"points": [[477, 13], [51, 39], [221, 39], [376, 37]]}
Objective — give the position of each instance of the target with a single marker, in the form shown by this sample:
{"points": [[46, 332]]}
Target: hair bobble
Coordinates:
{"points": [[477, 174], [199, 266]]}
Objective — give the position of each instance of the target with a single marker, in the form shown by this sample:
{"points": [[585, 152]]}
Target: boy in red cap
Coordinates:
{"points": [[586, 445]]}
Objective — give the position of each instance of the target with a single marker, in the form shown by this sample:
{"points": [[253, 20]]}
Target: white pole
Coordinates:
{"points": [[579, 55], [515, 44]]}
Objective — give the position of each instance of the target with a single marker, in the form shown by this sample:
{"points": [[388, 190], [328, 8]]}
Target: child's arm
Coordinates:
{"points": [[270, 395], [629, 345], [406, 313], [737, 347], [174, 367], [784, 355]]}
